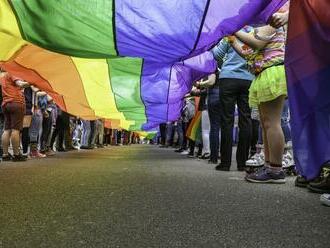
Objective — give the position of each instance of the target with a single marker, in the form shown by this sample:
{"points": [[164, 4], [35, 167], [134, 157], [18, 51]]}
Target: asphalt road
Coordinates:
{"points": [[144, 196]]}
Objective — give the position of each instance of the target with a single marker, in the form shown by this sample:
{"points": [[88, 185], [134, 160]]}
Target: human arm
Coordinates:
{"points": [[219, 51], [279, 19], [41, 93], [256, 41], [38, 91], [21, 83], [209, 82], [237, 46]]}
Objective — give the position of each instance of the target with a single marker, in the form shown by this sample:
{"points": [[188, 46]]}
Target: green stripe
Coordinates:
{"points": [[125, 75], [81, 28], [151, 135]]}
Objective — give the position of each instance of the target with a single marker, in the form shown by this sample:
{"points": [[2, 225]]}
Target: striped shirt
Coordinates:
{"points": [[272, 54]]}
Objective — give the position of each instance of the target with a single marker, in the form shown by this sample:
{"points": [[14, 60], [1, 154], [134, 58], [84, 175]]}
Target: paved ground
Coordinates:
{"points": [[144, 196]]}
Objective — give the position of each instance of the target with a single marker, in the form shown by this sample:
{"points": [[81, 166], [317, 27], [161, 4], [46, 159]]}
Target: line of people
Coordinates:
{"points": [[251, 76], [33, 126]]}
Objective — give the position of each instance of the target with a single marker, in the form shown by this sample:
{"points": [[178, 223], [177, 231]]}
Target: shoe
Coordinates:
{"points": [[301, 182], [50, 152], [211, 161], [256, 160], [8, 157], [61, 149], [322, 183], [325, 199], [266, 175], [191, 155], [19, 158], [288, 160], [222, 167], [26, 155], [205, 156], [37, 154], [84, 147], [179, 150], [185, 152], [76, 147]]}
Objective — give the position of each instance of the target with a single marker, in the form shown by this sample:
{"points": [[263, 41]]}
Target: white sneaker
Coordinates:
{"points": [[257, 159], [325, 199], [288, 160], [185, 152]]}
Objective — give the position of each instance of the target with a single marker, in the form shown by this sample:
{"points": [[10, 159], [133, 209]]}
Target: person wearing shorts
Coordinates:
{"points": [[13, 108]]}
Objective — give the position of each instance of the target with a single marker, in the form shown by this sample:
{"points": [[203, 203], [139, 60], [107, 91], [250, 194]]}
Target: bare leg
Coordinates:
{"points": [[5, 140], [271, 112], [264, 136], [15, 140]]}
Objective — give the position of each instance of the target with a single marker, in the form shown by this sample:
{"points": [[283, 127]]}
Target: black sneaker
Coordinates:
{"points": [[8, 157], [179, 150], [61, 149], [205, 156], [322, 183], [301, 182], [19, 158], [191, 155], [222, 167], [211, 161]]}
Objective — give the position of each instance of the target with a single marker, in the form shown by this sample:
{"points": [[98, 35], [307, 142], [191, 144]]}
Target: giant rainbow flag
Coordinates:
{"points": [[125, 60], [308, 74]]}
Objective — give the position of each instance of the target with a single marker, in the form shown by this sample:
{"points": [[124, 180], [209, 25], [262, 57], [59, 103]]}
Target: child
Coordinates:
{"points": [[268, 92]]}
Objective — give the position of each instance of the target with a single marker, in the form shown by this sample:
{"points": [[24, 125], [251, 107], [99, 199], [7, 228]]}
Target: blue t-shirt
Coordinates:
{"points": [[234, 66]]}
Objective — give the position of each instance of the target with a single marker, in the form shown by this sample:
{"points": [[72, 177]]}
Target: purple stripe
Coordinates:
{"points": [[154, 91], [163, 99], [162, 30], [308, 73], [226, 17]]}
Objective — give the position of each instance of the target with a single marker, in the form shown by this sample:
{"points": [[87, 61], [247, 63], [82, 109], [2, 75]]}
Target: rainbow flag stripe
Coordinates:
{"points": [[308, 74], [126, 60]]}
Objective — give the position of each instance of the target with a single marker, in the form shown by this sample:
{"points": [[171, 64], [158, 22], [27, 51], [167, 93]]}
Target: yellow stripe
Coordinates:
{"points": [[95, 77], [10, 36], [9, 45], [8, 23]]}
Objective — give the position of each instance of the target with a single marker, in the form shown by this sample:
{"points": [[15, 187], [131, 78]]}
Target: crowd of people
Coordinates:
{"points": [[33, 126], [243, 103], [249, 87]]}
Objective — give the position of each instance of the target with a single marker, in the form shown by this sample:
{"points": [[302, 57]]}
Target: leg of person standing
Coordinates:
{"points": [[254, 137], [214, 115], [2, 122], [61, 131], [85, 134], [162, 128], [35, 127], [205, 134], [100, 130], [244, 124], [13, 115], [169, 134], [46, 129], [228, 96], [285, 122], [91, 141], [25, 132]]}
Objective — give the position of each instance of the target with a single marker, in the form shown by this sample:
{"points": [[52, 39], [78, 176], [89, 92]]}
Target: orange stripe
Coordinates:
{"points": [[61, 75]]}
